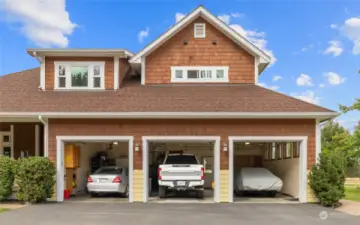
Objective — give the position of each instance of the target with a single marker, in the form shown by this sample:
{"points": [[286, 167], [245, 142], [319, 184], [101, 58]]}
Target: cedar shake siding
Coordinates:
{"points": [[199, 52], [50, 69], [223, 128]]}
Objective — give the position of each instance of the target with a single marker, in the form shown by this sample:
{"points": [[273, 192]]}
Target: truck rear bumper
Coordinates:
{"points": [[189, 185]]}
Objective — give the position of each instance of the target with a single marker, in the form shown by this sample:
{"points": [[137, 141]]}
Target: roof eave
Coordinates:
{"points": [[40, 52]]}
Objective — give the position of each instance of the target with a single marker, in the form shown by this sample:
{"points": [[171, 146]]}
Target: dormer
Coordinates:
{"points": [[200, 48], [81, 69]]}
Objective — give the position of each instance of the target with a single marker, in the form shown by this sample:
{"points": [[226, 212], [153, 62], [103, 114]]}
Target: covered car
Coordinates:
{"points": [[257, 179]]}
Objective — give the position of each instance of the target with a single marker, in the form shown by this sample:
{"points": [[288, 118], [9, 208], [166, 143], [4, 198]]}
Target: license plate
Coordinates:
{"points": [[103, 180], [181, 183]]}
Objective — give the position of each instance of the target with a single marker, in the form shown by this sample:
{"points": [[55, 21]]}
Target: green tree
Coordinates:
{"points": [[354, 106]]}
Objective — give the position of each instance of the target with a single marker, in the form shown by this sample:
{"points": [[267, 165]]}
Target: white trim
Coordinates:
{"points": [[69, 64], [303, 160], [159, 115], [123, 53], [46, 135], [256, 69], [251, 48], [143, 69], [213, 78], [60, 159], [42, 74], [37, 140], [12, 141], [204, 30], [317, 139], [145, 163], [116, 72]]}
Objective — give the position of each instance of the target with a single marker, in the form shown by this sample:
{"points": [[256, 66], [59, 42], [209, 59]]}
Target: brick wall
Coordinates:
{"points": [[199, 52], [50, 69], [223, 128]]}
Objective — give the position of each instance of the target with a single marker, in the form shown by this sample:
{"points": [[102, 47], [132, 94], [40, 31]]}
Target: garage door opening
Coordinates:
{"points": [[268, 171], [181, 170], [94, 170]]}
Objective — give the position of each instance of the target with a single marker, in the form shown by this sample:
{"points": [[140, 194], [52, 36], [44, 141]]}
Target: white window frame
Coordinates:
{"points": [[90, 66], [213, 78], [195, 34]]}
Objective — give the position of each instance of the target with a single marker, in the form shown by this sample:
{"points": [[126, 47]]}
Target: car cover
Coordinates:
{"points": [[257, 179]]}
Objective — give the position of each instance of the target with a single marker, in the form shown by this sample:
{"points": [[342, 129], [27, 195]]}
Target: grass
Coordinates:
{"points": [[3, 210], [352, 193]]}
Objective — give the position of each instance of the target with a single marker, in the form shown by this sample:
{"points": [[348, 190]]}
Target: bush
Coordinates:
{"points": [[327, 178], [35, 177], [6, 177]]}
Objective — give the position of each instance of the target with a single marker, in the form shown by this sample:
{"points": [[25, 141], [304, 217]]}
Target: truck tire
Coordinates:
{"points": [[200, 194], [162, 192]]}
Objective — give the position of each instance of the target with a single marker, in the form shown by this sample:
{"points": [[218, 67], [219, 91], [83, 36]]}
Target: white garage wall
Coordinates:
{"points": [[288, 171]]}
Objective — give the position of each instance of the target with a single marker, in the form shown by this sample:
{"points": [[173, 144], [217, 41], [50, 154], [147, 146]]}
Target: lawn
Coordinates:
{"points": [[351, 193], [3, 210]]}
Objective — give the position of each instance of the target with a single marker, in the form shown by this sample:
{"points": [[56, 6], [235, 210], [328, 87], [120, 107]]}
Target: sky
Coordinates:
{"points": [[315, 45]]}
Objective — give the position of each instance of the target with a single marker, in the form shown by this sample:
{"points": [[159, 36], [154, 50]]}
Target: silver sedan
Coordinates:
{"points": [[109, 179]]}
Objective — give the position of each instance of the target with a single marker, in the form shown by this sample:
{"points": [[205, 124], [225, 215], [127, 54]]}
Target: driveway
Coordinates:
{"points": [[164, 214]]}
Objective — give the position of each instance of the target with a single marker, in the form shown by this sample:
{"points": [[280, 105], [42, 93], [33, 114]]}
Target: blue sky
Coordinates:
{"points": [[316, 43]]}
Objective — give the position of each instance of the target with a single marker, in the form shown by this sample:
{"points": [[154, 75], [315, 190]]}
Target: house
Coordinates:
{"points": [[193, 89]]}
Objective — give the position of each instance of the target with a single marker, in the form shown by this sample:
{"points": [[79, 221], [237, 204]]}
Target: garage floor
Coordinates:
{"points": [[102, 199], [279, 198], [184, 198]]}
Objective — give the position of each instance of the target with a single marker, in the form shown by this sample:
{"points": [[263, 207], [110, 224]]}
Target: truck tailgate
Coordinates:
{"points": [[181, 172]]}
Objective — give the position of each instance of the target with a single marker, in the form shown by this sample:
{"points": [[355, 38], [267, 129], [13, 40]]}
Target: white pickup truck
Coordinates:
{"points": [[181, 172]]}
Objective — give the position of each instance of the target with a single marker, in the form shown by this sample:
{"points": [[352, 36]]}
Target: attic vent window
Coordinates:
{"points": [[192, 74], [199, 30]]}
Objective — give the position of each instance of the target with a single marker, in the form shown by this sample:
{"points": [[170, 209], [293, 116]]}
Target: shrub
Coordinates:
{"points": [[35, 177], [6, 177], [327, 178]]}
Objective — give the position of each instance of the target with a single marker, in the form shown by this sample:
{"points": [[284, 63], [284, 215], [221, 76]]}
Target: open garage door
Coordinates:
{"points": [[94, 169], [268, 171], [181, 170]]}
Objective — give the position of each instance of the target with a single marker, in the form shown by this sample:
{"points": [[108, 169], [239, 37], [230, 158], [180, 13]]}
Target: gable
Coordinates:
{"points": [[199, 52]]}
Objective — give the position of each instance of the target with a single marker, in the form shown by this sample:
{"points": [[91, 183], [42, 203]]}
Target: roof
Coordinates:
{"points": [[35, 52], [201, 11], [19, 94]]}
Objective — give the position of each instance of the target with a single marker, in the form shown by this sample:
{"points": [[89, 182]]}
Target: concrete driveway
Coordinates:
{"points": [[164, 214]]}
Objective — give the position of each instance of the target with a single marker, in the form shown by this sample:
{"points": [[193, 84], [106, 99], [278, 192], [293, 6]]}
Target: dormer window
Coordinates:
{"points": [[205, 74], [79, 75], [199, 30]]}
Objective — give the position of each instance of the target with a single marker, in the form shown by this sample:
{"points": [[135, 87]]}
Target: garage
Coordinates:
{"points": [[181, 169], [268, 170], [94, 169]]}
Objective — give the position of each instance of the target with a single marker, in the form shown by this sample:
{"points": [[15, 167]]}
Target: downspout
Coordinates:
{"points": [[46, 135]]}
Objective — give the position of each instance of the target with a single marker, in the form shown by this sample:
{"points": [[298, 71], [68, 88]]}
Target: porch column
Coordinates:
{"points": [[12, 141], [37, 140]]}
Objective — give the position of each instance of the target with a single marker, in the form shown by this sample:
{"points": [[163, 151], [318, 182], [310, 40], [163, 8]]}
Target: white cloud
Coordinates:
{"points": [[276, 78], [307, 48], [257, 38], [143, 34], [333, 26], [237, 14], [179, 16], [273, 87], [321, 85], [304, 80], [334, 78], [335, 48], [225, 18], [351, 30], [46, 23], [308, 96]]}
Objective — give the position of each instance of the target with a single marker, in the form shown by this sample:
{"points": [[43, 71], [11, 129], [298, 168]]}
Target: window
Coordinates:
{"points": [[190, 74], [79, 75], [297, 150], [279, 151], [199, 30], [273, 151], [289, 150]]}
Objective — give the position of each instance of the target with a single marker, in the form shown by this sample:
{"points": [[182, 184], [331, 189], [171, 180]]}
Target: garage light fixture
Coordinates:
{"points": [[225, 148], [137, 148], [247, 143], [115, 143]]}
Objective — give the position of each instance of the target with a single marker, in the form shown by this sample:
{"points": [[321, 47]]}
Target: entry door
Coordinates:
{"points": [[208, 162]]}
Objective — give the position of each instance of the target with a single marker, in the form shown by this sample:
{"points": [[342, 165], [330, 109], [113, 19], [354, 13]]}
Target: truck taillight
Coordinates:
{"points": [[202, 173], [89, 179], [159, 174]]}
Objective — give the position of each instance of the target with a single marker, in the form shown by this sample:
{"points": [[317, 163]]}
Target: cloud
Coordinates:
{"points": [[237, 14], [304, 80], [334, 78], [179, 16], [225, 18], [333, 26], [274, 87], [321, 85], [335, 48], [276, 78], [143, 34], [308, 96], [351, 30], [46, 23], [307, 48]]}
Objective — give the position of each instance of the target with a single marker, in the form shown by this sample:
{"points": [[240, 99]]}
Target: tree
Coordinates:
{"points": [[354, 106], [335, 138]]}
